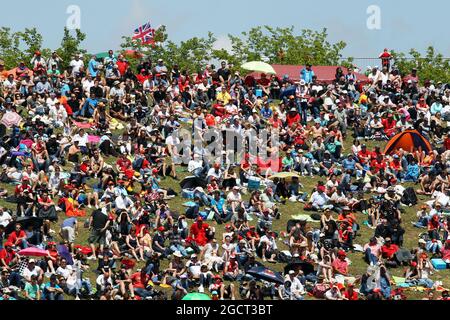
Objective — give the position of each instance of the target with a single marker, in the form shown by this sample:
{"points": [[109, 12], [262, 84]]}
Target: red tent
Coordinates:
{"points": [[409, 141]]}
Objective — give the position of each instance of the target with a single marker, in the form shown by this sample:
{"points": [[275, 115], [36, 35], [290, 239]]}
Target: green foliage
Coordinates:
{"points": [[19, 46], [432, 66], [283, 46], [190, 55], [71, 45]]}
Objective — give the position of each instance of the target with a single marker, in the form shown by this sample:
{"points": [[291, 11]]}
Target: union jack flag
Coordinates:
{"points": [[145, 33]]}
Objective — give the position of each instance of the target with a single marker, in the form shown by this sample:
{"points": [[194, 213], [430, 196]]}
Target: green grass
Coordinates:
{"points": [[358, 266]]}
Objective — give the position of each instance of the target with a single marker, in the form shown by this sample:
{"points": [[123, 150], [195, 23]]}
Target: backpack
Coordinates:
{"points": [[409, 197]]}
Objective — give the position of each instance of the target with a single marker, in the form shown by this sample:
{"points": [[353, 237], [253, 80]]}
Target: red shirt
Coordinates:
{"points": [[388, 252], [362, 156], [377, 166], [395, 165], [123, 164], [7, 256], [138, 281], [292, 119], [122, 66], [21, 188], [13, 236], [199, 233], [340, 266], [142, 78], [351, 296], [447, 144], [445, 253]]}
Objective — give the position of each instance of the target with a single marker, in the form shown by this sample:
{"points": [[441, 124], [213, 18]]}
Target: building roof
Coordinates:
{"points": [[323, 73]]}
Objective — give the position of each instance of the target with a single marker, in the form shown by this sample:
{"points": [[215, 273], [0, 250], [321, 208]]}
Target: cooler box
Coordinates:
{"points": [[439, 264], [254, 184], [259, 93]]}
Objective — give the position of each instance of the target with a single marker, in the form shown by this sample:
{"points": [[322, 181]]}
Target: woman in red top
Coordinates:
{"points": [[52, 257], [198, 232], [7, 256]]}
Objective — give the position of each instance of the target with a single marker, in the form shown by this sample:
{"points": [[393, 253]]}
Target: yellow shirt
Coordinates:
{"points": [[225, 97]]}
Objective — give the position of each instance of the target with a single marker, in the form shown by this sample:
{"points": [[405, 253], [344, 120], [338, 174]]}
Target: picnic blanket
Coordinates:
{"points": [[82, 125], [94, 139], [84, 250]]}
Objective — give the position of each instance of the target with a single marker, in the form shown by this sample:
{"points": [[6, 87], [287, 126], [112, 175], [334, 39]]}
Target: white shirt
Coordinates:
{"points": [[82, 140], [27, 273], [66, 272], [76, 65], [195, 164], [123, 203], [87, 85], [296, 287]]}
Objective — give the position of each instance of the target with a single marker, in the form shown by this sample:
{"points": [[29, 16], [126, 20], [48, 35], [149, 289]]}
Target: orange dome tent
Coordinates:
{"points": [[409, 141]]}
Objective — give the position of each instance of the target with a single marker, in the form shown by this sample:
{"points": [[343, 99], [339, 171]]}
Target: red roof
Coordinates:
{"points": [[323, 73]]}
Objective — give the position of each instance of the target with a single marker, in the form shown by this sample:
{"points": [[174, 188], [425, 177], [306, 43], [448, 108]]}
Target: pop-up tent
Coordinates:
{"points": [[409, 141]]}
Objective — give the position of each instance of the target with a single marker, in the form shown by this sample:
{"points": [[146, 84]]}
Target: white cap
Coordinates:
{"points": [[291, 272]]}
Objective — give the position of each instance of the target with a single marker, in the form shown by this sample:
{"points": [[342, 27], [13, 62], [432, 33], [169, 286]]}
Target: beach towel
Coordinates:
{"points": [[83, 250], [71, 211], [82, 125], [304, 217], [94, 139]]}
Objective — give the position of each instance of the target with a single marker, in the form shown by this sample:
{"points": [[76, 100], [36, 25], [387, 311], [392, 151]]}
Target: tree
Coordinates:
{"points": [[432, 66], [283, 46], [19, 46], [71, 45], [190, 55]]}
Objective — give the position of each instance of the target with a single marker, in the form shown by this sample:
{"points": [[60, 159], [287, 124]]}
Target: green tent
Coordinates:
{"points": [[103, 55]]}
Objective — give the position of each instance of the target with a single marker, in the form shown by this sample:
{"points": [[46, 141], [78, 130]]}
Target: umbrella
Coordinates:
{"points": [[63, 252], [192, 183], [196, 297], [285, 175], [11, 119], [259, 66], [263, 273], [33, 252], [25, 222], [306, 267]]}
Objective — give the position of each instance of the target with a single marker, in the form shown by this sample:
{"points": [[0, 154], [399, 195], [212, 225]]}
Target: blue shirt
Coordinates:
{"points": [[349, 164], [65, 90], [218, 204], [93, 65], [266, 113], [307, 75], [69, 223]]}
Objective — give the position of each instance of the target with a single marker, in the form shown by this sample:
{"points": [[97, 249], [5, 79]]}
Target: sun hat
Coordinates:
{"points": [[178, 254]]}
